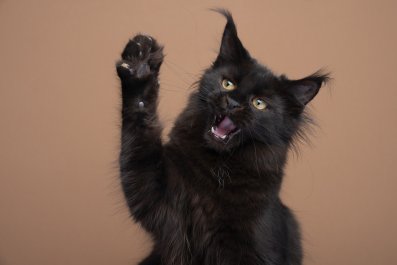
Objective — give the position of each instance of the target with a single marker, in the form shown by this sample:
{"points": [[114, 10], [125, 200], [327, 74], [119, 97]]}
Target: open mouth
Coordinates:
{"points": [[224, 128]]}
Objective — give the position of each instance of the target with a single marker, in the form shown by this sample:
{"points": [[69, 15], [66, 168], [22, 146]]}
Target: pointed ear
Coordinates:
{"points": [[231, 50], [305, 89]]}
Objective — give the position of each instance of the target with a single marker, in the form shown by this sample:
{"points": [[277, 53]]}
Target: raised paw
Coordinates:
{"points": [[141, 58]]}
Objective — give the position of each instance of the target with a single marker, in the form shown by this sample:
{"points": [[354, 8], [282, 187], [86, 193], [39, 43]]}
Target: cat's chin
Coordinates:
{"points": [[222, 145], [223, 138]]}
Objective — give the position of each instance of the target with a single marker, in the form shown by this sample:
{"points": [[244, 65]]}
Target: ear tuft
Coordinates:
{"points": [[305, 89], [226, 13]]}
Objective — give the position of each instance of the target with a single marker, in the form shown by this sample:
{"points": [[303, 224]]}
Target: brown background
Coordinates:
{"points": [[59, 100]]}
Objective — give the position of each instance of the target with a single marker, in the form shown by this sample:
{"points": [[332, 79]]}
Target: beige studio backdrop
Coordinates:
{"points": [[60, 201]]}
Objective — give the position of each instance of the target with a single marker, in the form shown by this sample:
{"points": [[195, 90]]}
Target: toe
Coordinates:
{"points": [[132, 50]]}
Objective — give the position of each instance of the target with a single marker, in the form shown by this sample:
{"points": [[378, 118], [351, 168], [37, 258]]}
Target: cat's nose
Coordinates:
{"points": [[231, 104]]}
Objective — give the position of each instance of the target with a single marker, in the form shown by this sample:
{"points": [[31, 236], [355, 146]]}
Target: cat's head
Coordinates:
{"points": [[244, 101]]}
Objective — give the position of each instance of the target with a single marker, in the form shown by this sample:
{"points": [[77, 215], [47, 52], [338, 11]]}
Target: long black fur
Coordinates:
{"points": [[203, 200]]}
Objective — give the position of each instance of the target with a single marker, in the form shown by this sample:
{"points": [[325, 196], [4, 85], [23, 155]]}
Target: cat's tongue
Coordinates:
{"points": [[223, 128]]}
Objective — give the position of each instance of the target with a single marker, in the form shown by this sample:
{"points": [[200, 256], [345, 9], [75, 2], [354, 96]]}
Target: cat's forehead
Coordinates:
{"points": [[259, 79], [246, 72], [260, 75]]}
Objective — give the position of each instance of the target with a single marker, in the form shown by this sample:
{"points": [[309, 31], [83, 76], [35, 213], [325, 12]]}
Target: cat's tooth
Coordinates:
{"points": [[223, 137], [213, 129]]}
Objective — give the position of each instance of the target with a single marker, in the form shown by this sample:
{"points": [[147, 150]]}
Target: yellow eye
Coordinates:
{"points": [[259, 103], [228, 85]]}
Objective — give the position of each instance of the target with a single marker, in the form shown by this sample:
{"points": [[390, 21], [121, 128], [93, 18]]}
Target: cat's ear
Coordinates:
{"points": [[305, 89], [231, 50]]}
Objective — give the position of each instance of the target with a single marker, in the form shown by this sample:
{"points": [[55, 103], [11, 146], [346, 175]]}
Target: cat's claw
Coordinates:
{"points": [[141, 58], [126, 66]]}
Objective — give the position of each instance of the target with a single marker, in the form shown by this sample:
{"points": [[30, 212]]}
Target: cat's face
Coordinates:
{"points": [[242, 105], [245, 102]]}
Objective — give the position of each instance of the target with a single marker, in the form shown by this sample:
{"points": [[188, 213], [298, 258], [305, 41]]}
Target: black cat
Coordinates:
{"points": [[210, 195]]}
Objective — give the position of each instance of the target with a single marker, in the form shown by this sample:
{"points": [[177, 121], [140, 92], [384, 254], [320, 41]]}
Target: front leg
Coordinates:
{"points": [[141, 163]]}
